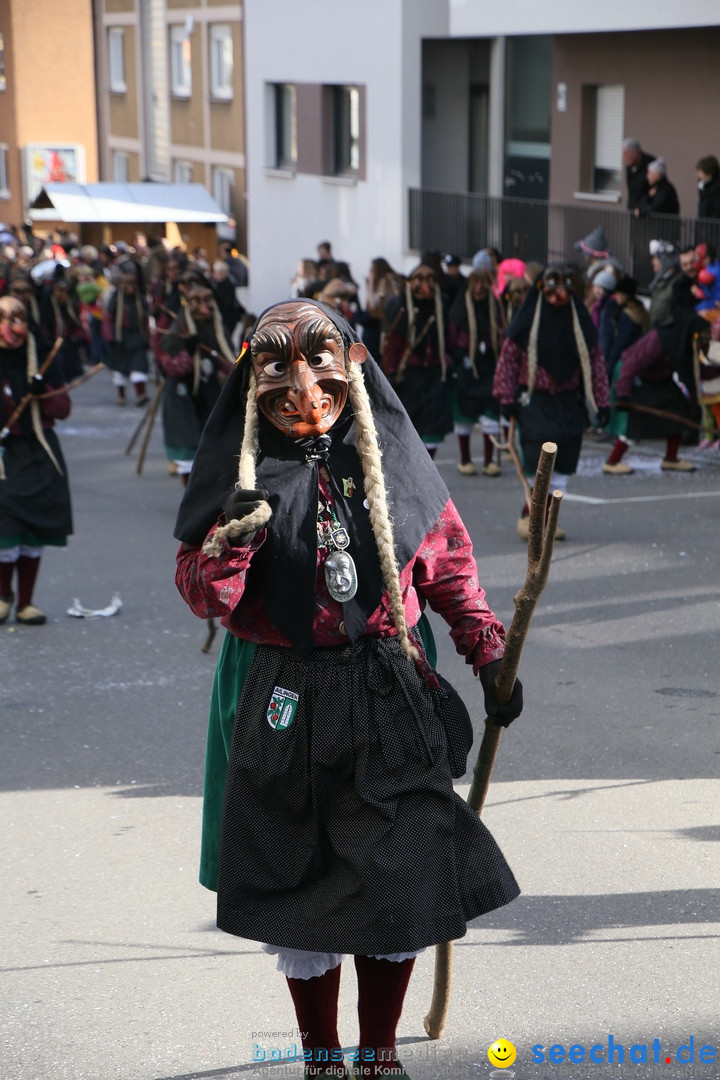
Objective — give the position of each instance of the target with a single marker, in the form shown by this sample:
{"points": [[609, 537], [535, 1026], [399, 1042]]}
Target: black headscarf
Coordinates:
{"points": [[557, 348], [284, 569]]}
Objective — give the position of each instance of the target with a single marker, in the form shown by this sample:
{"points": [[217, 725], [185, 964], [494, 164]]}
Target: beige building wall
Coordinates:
{"points": [[123, 109]]}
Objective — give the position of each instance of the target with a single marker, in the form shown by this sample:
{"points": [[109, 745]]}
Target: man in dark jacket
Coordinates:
{"points": [[636, 163]]}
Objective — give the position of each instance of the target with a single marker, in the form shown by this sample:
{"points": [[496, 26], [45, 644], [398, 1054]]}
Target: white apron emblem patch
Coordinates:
{"points": [[282, 708]]}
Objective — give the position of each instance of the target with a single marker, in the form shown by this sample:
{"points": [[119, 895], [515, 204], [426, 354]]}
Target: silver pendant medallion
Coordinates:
{"points": [[341, 576]]}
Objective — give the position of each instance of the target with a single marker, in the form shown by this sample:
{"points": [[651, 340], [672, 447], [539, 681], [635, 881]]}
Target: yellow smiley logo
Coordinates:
{"points": [[501, 1054]]}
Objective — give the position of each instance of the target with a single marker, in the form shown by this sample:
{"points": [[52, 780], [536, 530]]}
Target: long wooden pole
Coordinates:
{"points": [[25, 401], [541, 535], [149, 422]]}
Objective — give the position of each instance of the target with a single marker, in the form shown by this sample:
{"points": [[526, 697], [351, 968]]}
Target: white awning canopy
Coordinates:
{"points": [[111, 204]]}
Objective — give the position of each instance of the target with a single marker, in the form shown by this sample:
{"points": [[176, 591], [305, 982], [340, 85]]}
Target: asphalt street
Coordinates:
{"points": [[604, 798]]}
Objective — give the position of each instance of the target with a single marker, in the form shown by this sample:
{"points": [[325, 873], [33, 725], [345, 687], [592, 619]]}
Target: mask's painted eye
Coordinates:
{"points": [[275, 368], [321, 360]]}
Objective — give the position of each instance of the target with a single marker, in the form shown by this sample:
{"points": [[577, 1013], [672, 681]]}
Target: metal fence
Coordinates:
{"points": [[532, 230]]}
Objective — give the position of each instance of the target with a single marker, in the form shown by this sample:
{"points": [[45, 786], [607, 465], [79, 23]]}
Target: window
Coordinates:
{"points": [[180, 66], [120, 170], [223, 182], [221, 62], [116, 60], [182, 172], [609, 127], [285, 126], [346, 130], [4, 181]]}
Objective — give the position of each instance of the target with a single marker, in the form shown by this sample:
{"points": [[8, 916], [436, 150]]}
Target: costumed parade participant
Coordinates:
{"points": [[475, 328], [551, 377], [34, 493], [193, 354], [657, 373], [415, 358], [126, 329], [60, 318], [331, 827]]}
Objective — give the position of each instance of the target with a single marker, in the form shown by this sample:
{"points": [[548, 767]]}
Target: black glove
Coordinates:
{"points": [[603, 416], [36, 386], [243, 501], [501, 714]]}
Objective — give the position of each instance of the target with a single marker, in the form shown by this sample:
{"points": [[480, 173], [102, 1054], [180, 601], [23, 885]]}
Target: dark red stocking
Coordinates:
{"points": [[673, 445], [382, 985], [316, 1008], [6, 573], [27, 572]]}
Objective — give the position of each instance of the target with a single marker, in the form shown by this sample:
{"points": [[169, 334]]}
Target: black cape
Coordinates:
{"points": [[285, 566]]}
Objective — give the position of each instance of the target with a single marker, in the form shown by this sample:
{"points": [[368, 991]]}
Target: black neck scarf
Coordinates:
{"points": [[284, 569], [557, 347]]}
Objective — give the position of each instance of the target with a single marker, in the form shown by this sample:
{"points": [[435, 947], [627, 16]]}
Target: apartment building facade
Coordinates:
{"points": [[353, 111], [170, 80]]}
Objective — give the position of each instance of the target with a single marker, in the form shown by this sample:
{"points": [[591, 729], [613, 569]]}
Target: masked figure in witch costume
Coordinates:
{"points": [[34, 493], [330, 822]]}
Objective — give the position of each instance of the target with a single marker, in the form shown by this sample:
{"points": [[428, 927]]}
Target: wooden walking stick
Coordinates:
{"points": [[541, 535], [136, 433], [150, 420]]}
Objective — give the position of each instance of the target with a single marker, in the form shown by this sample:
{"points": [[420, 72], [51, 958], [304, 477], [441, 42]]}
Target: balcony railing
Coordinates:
{"points": [[532, 230]]}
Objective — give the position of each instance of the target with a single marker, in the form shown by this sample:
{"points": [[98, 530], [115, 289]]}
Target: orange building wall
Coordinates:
{"points": [[55, 76]]}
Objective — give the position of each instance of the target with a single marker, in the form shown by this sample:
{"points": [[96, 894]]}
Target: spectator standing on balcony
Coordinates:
{"points": [[636, 163], [661, 196], [708, 174]]}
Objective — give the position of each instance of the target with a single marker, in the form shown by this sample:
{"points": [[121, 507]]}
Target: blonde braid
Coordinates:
{"points": [[32, 370], [119, 309], [440, 331], [192, 331], [532, 347], [472, 330], [259, 517], [58, 317], [495, 330], [370, 458], [582, 349], [220, 335]]}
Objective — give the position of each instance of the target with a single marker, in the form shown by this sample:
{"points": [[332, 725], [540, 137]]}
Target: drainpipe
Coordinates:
{"points": [[496, 134]]}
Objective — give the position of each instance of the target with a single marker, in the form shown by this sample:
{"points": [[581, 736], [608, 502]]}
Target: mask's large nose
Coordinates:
{"points": [[304, 393]]}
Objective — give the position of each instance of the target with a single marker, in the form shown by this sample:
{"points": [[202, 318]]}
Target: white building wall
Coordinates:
{"points": [[479, 18], [377, 45]]}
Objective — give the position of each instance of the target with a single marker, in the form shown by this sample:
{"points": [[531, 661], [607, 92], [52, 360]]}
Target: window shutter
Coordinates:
{"points": [[609, 127]]}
